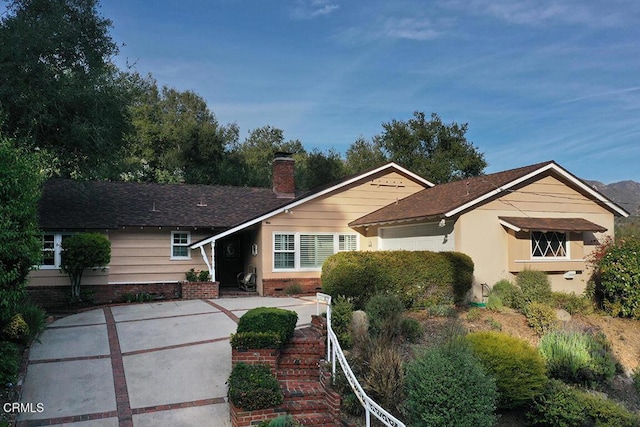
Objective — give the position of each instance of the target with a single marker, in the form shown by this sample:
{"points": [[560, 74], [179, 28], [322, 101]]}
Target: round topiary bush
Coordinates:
{"points": [[448, 386], [517, 367]]}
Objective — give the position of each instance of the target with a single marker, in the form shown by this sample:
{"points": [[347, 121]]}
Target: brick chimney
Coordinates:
{"points": [[283, 176]]}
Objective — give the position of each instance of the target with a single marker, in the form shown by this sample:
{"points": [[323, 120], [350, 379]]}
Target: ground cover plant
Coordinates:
{"points": [[253, 387]]}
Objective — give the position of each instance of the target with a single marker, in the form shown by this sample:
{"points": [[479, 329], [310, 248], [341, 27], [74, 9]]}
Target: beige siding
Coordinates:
{"points": [[137, 256], [496, 250], [332, 213]]}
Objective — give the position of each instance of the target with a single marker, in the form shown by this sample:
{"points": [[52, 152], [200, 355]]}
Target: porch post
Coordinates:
{"points": [[206, 261], [212, 267]]}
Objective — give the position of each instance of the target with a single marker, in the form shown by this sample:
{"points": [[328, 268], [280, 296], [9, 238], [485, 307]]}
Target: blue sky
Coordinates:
{"points": [[534, 79]]}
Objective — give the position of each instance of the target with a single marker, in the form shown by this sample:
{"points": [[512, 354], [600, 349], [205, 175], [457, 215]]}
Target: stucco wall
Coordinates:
{"points": [[480, 235]]}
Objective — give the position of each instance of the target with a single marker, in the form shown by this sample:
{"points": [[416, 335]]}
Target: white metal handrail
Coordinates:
{"points": [[334, 351]]}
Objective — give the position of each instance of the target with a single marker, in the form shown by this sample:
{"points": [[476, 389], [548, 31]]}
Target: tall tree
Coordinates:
{"points": [[438, 152], [176, 138], [20, 241], [363, 154], [319, 168], [59, 91], [255, 156]]}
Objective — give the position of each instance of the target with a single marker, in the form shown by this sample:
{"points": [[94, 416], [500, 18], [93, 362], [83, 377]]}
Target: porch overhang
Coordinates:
{"points": [[550, 224]]}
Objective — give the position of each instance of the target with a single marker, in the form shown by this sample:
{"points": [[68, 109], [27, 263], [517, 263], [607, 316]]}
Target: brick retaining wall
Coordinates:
{"points": [[274, 287]]}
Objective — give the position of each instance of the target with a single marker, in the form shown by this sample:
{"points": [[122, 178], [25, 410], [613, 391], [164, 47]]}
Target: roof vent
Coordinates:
{"points": [[201, 203]]}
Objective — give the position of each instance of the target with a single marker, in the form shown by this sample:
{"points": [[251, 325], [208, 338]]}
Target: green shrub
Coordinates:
{"points": [[341, 315], [16, 330], [253, 387], [578, 357], [9, 362], [474, 314], [562, 405], [385, 315], [518, 369], [619, 278], [448, 386], [494, 302], [281, 421], [411, 329], [502, 294], [203, 276], [636, 378], [417, 278], [35, 318], [139, 297], [191, 275], [267, 319], [541, 317], [572, 303], [293, 289], [255, 340], [534, 286]]}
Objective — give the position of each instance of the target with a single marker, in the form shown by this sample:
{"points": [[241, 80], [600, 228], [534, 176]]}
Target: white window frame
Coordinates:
{"points": [[567, 245], [57, 250], [174, 245], [297, 247]]}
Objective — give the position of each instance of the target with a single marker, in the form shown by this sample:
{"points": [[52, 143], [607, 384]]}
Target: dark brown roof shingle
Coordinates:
{"points": [[71, 204], [553, 224]]}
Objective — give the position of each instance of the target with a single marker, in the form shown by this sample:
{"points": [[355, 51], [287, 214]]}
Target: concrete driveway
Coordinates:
{"points": [[156, 364]]}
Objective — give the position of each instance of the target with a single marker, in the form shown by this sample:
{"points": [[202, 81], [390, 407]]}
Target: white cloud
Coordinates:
{"points": [[409, 28], [309, 9], [544, 12]]}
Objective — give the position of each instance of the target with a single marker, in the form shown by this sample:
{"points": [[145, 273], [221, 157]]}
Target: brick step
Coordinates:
{"points": [[305, 406], [293, 373], [305, 351], [317, 420], [295, 389], [298, 360]]}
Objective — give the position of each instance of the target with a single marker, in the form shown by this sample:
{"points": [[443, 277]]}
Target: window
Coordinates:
{"points": [[180, 241], [52, 250], [315, 249], [347, 242], [551, 244], [284, 251], [308, 251]]}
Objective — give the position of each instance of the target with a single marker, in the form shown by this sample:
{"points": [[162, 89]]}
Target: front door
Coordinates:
{"points": [[229, 260]]}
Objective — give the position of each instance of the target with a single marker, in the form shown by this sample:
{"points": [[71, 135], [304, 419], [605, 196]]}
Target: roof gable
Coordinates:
{"points": [[315, 194], [447, 200]]}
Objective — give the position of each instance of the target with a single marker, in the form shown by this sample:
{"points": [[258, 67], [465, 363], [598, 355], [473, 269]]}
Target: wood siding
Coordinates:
{"points": [[331, 213], [137, 256]]}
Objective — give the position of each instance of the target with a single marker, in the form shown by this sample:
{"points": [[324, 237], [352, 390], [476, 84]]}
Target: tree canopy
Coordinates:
{"points": [[59, 91], [438, 152]]}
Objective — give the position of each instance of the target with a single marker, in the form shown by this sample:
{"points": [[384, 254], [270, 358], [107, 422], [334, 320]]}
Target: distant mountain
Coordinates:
{"points": [[625, 193]]}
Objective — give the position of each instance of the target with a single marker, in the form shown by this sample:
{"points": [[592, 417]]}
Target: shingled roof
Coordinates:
{"points": [[449, 199], [69, 204]]}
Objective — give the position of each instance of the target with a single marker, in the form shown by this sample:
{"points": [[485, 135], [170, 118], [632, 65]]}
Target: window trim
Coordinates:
{"points": [[57, 249], [297, 248], [173, 245], [567, 245]]}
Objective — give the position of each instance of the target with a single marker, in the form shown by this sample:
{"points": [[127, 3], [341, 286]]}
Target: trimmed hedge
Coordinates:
{"points": [[257, 322], [253, 387], [257, 340], [417, 278], [519, 370]]}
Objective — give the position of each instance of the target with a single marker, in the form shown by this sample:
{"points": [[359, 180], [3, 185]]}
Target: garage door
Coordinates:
{"points": [[420, 237]]}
